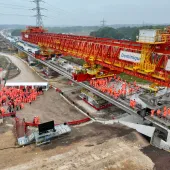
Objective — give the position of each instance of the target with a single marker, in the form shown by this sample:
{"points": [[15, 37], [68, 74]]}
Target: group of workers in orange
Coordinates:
{"points": [[13, 98], [126, 88], [164, 112]]}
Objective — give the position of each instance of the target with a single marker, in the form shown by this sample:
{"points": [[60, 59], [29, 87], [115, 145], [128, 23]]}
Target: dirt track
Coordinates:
{"points": [[90, 147], [26, 75]]}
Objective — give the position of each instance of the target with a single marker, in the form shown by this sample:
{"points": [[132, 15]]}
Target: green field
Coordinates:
{"points": [[124, 76], [129, 78], [3, 62], [74, 60]]}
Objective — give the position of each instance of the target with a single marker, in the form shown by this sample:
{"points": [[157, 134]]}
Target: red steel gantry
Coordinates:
{"points": [[152, 65]]}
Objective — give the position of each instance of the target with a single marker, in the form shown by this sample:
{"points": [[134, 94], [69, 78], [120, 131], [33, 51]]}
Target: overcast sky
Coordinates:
{"points": [[87, 12]]}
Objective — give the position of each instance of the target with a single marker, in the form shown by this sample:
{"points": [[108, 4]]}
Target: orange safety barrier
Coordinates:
{"points": [[31, 124], [8, 114], [77, 122]]}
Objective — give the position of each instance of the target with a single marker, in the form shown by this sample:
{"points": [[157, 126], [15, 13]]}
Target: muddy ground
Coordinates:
{"points": [[10, 70], [3, 62], [26, 75], [160, 157], [92, 146]]}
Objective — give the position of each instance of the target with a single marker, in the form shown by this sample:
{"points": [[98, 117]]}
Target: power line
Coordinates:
{"points": [[38, 15], [15, 14], [37, 9], [53, 9], [59, 11], [13, 5], [57, 8]]}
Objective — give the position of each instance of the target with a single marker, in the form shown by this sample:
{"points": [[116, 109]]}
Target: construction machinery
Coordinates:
{"points": [[93, 100], [45, 53], [148, 58]]}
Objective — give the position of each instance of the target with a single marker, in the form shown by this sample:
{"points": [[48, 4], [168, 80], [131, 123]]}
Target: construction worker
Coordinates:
{"points": [[21, 105], [91, 83], [158, 112], [2, 110], [164, 108], [125, 92], [110, 91], [115, 94], [36, 120], [165, 113], [4, 100], [130, 91], [124, 86], [134, 83], [168, 111], [152, 112], [133, 104]]}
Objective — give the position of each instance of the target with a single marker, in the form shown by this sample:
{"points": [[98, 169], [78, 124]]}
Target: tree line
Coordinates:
{"points": [[128, 33], [16, 32]]}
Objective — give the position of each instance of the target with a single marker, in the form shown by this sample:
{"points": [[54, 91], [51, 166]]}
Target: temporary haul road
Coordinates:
{"points": [[26, 75]]}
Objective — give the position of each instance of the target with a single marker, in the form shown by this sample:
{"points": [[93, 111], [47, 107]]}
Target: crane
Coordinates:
{"points": [[148, 58]]}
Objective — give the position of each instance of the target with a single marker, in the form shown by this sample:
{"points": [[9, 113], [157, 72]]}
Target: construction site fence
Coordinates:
{"points": [[3, 115], [77, 122], [21, 127]]}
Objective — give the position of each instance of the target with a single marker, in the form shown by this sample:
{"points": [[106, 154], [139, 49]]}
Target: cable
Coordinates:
{"points": [[15, 7], [59, 10], [15, 14], [11, 6], [68, 12], [50, 17]]}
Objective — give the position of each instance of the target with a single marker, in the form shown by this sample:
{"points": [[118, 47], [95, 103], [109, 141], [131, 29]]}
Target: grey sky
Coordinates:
{"points": [[88, 12]]}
